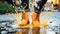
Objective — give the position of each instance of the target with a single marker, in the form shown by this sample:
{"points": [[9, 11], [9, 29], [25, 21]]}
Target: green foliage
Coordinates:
{"points": [[4, 7]]}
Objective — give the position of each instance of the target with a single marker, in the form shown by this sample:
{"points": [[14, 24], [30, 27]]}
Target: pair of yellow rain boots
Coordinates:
{"points": [[25, 20]]}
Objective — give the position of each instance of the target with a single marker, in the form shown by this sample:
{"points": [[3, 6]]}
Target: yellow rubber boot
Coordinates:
{"points": [[35, 20], [24, 20]]}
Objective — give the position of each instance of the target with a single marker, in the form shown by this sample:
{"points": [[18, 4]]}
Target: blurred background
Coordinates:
{"points": [[10, 10]]}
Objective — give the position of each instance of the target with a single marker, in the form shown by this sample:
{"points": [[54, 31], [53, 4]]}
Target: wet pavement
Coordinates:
{"points": [[9, 20]]}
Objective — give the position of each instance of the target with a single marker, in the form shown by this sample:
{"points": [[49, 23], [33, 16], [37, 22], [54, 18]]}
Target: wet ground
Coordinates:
{"points": [[10, 20]]}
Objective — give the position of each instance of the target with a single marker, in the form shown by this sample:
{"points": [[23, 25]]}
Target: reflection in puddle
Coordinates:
{"points": [[24, 31], [28, 31], [36, 31]]}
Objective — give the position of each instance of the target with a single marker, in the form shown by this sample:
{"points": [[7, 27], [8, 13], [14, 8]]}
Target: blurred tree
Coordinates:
{"points": [[5, 7]]}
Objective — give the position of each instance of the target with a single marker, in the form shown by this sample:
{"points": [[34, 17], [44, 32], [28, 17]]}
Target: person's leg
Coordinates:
{"points": [[39, 6], [25, 19], [36, 14]]}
